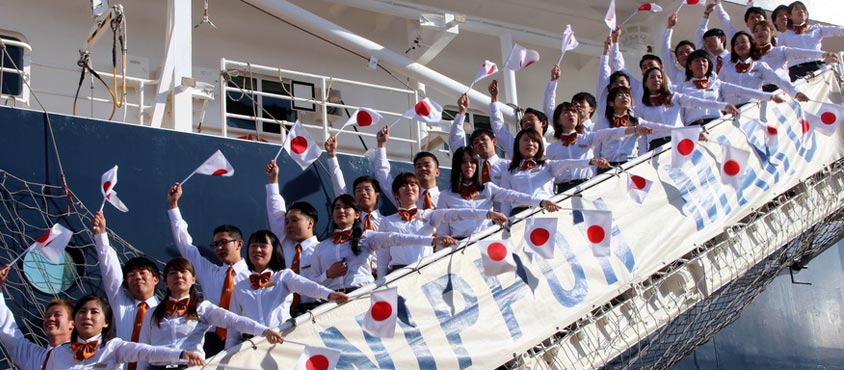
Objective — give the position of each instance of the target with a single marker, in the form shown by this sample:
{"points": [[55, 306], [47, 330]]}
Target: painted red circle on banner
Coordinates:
{"points": [[539, 236], [364, 118], [497, 251], [317, 362], [772, 130], [299, 144], [639, 182], [381, 310], [829, 118], [43, 238], [732, 168], [220, 172], [685, 147], [596, 234], [423, 109]]}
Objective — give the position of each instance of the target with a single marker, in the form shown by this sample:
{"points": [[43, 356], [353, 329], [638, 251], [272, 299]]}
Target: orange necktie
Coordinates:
{"points": [[719, 62], [486, 169], [177, 307], [427, 202], [297, 258], [258, 281], [340, 237], [528, 164], [765, 49], [468, 192], [136, 329], [367, 222], [800, 29], [701, 84], [83, 351], [407, 214], [225, 298], [569, 139], [620, 121], [742, 67], [659, 99]]}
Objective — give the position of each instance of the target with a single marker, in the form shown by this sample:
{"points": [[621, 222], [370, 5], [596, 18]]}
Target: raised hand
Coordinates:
{"points": [[382, 136], [271, 170], [174, 193], [331, 146]]}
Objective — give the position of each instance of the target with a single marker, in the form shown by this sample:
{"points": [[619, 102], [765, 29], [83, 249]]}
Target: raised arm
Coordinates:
{"points": [[668, 58], [338, 183], [496, 120], [382, 165], [22, 351], [550, 101], [704, 24], [110, 268], [276, 207], [726, 22], [183, 239], [457, 134]]}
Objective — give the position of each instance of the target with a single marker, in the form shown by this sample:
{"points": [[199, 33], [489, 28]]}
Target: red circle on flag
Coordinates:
{"points": [[595, 234], [299, 144], [106, 186], [829, 118], [692, 2], [685, 147], [497, 251], [539, 236], [423, 109], [317, 362], [491, 70], [772, 130], [43, 238], [645, 6], [638, 182], [364, 118], [220, 172], [732, 168], [528, 63], [381, 310], [805, 124]]}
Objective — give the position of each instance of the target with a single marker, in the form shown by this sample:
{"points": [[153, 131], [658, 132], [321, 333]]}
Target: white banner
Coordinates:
{"points": [[452, 316]]}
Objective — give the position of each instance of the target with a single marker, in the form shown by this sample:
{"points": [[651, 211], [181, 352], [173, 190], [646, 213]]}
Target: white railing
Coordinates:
{"points": [[22, 70]]}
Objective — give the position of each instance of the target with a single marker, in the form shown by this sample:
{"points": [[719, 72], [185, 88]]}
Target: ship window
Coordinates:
{"points": [[478, 121], [241, 103], [12, 82], [52, 278]]}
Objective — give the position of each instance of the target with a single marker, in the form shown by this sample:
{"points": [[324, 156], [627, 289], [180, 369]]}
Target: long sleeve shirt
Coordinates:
{"points": [[671, 115], [26, 355], [713, 91], [482, 201], [674, 71], [457, 140], [123, 305], [582, 149], [539, 181], [811, 39], [779, 56], [112, 355], [759, 74], [382, 174], [276, 210]]}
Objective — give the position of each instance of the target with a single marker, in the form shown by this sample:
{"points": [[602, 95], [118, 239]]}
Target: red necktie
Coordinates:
{"points": [[225, 298], [701, 84], [719, 62], [136, 329], [340, 237], [742, 67], [177, 307], [569, 139], [528, 164], [800, 29], [468, 192], [407, 214], [83, 351], [427, 202], [297, 258], [765, 49], [367, 222], [486, 169], [258, 281], [620, 121]]}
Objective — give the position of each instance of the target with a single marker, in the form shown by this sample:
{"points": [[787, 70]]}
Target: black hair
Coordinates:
{"points": [[754, 10], [589, 98], [755, 54], [539, 157], [277, 262], [421, 155], [609, 112], [480, 131], [683, 43], [140, 263], [108, 315], [234, 231], [615, 76], [456, 173], [664, 91], [714, 32], [558, 126], [357, 230], [542, 118], [775, 14], [182, 265], [366, 178], [697, 54], [648, 57], [306, 209]]}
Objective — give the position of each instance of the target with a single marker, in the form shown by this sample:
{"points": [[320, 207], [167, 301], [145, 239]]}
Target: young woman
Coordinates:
{"points": [[181, 320], [661, 105], [342, 261], [93, 345], [531, 173], [700, 84], [266, 296], [618, 113], [745, 70], [467, 191], [804, 36], [778, 57], [573, 142], [779, 17]]}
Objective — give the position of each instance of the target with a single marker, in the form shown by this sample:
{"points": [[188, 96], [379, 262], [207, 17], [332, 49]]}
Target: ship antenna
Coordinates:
{"points": [[205, 18]]}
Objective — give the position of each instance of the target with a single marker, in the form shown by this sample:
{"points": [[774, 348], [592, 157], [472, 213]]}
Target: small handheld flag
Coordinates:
{"points": [[363, 117], [487, 69], [301, 146], [569, 42], [215, 165]]}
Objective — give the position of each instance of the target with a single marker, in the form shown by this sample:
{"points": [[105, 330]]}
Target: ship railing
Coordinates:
{"points": [[317, 103]]}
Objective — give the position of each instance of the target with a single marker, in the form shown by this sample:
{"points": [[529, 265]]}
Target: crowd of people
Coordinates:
{"points": [[288, 271]]}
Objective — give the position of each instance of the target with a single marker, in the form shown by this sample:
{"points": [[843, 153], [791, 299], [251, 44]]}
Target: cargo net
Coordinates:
{"points": [[680, 334], [28, 209]]}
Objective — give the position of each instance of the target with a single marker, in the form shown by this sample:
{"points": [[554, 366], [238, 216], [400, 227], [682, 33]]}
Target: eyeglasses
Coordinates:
{"points": [[221, 242], [364, 189]]}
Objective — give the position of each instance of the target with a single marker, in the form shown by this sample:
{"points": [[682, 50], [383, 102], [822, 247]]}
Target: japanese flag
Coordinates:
{"points": [[216, 165], [487, 69], [684, 142], [539, 236], [650, 7], [301, 146], [363, 117], [771, 137], [609, 19], [317, 358], [520, 58], [827, 118], [638, 187], [695, 2], [569, 42], [426, 110], [597, 228], [51, 244], [380, 320], [497, 257], [107, 183], [733, 165]]}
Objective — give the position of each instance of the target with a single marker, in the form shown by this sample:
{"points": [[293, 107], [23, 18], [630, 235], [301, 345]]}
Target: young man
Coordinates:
{"points": [[294, 227], [425, 165], [366, 189], [139, 277], [482, 141], [58, 324], [676, 70], [217, 281], [532, 118], [585, 104]]}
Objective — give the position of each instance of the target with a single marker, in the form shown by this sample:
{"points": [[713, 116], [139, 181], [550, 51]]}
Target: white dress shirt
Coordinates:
{"points": [[457, 140], [582, 149], [713, 91], [359, 271], [382, 174], [672, 69], [484, 202], [276, 210], [112, 355], [26, 355], [758, 75], [123, 305], [779, 56], [619, 149], [812, 39], [502, 134], [538, 181]]}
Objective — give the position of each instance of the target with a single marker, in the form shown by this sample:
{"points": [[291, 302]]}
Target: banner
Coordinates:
{"points": [[453, 316]]}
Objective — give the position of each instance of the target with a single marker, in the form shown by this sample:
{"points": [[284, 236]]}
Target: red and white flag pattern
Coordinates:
{"points": [[426, 110], [318, 358], [684, 142], [569, 41], [301, 146], [772, 134], [487, 69], [638, 187], [694, 2], [363, 117], [650, 7], [52, 243], [733, 165], [520, 58], [610, 19], [827, 118], [380, 320], [497, 257], [597, 227], [107, 184], [539, 236], [216, 165]]}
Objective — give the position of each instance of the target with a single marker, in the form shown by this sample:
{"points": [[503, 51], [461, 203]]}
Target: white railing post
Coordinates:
{"points": [[223, 95], [324, 112]]}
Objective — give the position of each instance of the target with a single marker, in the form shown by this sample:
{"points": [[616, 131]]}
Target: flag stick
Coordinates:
{"points": [[286, 137], [681, 6], [22, 254], [181, 183], [560, 61], [470, 87], [628, 19], [102, 205], [396, 121]]}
